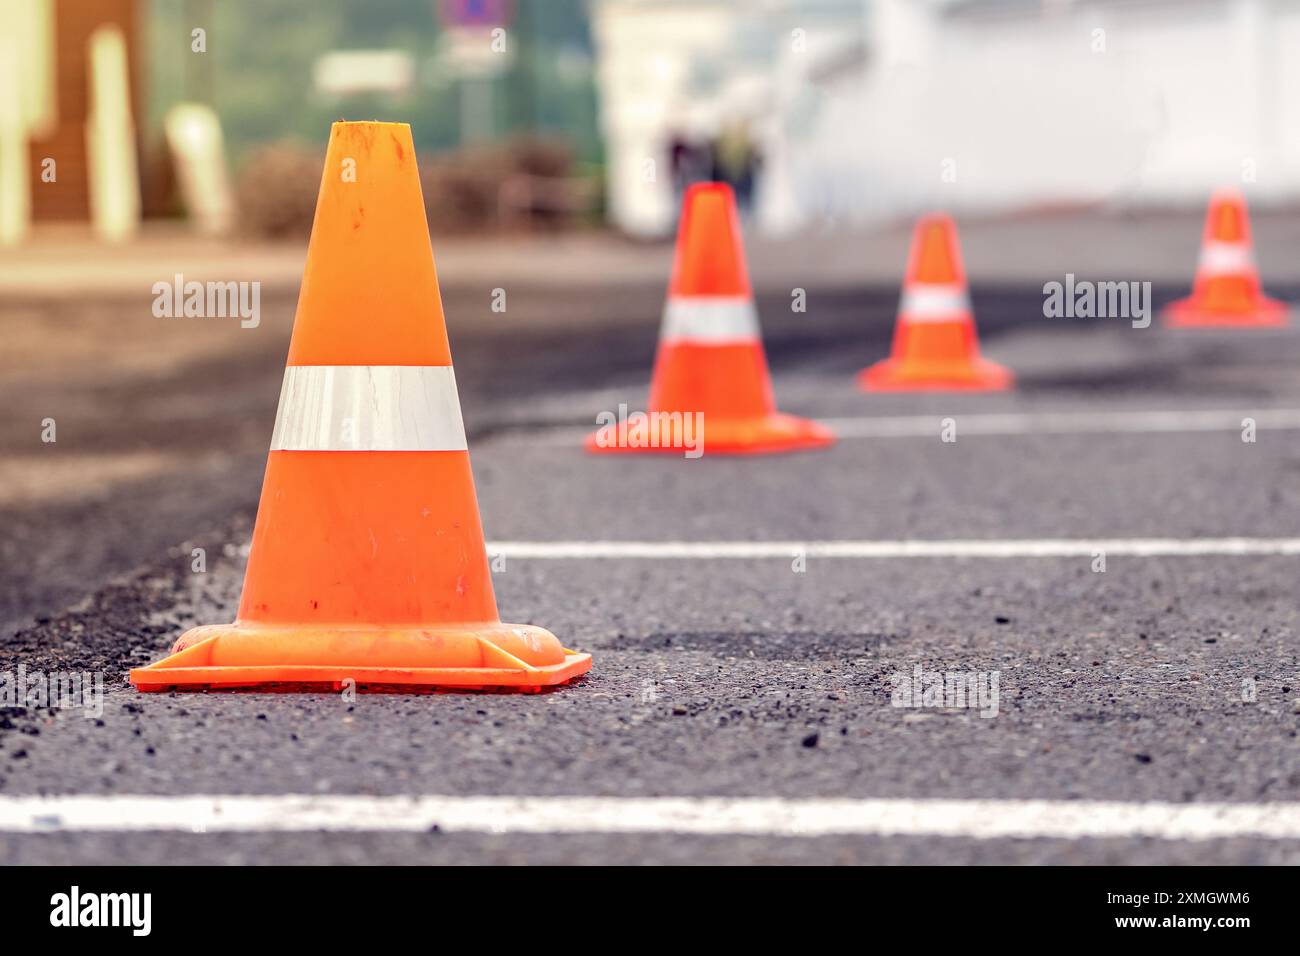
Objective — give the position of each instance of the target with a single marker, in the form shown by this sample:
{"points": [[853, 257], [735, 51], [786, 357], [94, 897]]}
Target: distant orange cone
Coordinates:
{"points": [[368, 562], [936, 347], [710, 365], [1227, 291]]}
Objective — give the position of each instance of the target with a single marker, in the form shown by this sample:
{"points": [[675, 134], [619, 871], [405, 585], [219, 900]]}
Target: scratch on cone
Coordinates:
{"points": [[936, 347], [710, 361], [368, 562], [1226, 292]]}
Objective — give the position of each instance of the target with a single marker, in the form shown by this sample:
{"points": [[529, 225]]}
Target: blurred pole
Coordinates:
{"points": [[110, 139], [524, 80], [15, 185], [193, 134], [475, 108], [37, 37]]}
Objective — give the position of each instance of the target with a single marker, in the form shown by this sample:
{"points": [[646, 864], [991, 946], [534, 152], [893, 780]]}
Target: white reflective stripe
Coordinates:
{"points": [[710, 319], [1226, 258], [369, 408], [934, 303]]}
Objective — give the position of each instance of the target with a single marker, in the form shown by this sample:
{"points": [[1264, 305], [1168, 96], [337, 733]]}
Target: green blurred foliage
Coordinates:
{"points": [[257, 71]]}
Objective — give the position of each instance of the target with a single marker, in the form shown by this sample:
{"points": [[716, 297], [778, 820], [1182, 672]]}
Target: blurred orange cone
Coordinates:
{"points": [[368, 562], [710, 365], [1226, 292], [936, 347]]}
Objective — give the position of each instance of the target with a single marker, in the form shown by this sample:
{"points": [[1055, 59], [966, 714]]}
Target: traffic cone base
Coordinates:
{"points": [[939, 356], [978, 375], [466, 656]]}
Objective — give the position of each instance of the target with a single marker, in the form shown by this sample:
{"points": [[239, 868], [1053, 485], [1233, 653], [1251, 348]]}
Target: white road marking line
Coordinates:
{"points": [[975, 548], [975, 819], [1065, 423], [1006, 423]]}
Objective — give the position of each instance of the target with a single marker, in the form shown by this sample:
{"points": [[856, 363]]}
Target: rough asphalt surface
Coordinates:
{"points": [[731, 678]]}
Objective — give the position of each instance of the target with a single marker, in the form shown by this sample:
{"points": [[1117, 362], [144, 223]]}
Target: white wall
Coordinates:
{"points": [[1030, 106], [983, 107]]}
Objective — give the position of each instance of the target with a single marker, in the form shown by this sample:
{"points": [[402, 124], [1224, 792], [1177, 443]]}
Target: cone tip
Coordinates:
{"points": [[364, 133], [337, 124], [1227, 217], [935, 255], [932, 219], [710, 258], [1228, 194], [702, 189], [698, 193]]}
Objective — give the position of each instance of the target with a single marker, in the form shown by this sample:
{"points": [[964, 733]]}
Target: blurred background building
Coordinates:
{"points": [[864, 110], [551, 112], [239, 95], [52, 66]]}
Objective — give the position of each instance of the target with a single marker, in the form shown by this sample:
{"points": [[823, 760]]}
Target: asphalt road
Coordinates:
{"points": [[1160, 679]]}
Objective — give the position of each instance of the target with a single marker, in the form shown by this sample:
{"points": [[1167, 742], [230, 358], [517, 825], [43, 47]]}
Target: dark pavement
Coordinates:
{"points": [[1172, 679]]}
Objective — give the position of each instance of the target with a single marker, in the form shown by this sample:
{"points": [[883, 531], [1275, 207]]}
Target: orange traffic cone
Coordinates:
{"points": [[368, 562], [710, 365], [936, 347], [1226, 292]]}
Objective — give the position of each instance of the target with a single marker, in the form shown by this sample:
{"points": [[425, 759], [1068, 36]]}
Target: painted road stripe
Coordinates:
{"points": [[976, 819], [1008, 423], [1065, 423], [974, 548]]}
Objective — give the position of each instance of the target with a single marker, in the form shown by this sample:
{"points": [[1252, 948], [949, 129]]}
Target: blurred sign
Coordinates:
{"points": [[345, 72], [15, 195], [474, 52], [474, 42], [475, 13]]}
